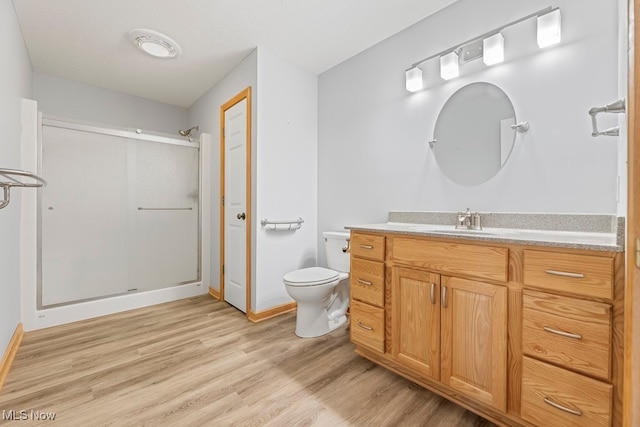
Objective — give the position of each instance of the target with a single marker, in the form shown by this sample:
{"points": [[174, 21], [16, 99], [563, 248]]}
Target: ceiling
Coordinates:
{"points": [[86, 40]]}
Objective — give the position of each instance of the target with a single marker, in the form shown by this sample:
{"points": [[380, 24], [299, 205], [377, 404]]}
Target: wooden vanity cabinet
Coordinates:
{"points": [[453, 330], [415, 320], [570, 362], [367, 282], [474, 340], [522, 335]]}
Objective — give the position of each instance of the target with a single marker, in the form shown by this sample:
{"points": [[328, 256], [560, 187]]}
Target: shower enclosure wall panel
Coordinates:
{"points": [[119, 215]]}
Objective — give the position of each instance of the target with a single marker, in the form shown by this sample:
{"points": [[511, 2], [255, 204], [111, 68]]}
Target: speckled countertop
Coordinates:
{"points": [[579, 231]]}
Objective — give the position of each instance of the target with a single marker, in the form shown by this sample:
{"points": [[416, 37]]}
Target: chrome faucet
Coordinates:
{"points": [[468, 220]]}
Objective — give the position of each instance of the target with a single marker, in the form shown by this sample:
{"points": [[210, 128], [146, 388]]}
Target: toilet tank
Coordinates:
{"points": [[334, 241]]}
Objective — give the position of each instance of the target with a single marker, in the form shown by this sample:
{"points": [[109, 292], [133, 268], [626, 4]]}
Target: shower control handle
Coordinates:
{"points": [[241, 216]]}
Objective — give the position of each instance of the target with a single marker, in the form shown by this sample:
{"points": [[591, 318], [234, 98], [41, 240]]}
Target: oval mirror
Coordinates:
{"points": [[473, 134]]}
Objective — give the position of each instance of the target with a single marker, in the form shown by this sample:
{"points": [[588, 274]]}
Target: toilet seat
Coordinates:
{"points": [[312, 276]]}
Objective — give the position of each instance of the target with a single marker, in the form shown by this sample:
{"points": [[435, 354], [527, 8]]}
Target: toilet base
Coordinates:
{"points": [[310, 323]]}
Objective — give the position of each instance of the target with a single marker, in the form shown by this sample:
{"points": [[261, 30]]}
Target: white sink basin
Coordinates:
{"points": [[444, 229], [464, 232]]}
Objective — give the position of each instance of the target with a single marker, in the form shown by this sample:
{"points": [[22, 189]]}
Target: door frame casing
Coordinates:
{"points": [[631, 392], [245, 94]]}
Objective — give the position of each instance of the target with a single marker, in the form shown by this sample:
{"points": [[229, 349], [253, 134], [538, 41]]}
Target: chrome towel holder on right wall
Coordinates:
{"points": [[618, 106]]}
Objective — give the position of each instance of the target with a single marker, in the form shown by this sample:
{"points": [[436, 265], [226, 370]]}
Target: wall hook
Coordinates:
{"points": [[431, 143]]}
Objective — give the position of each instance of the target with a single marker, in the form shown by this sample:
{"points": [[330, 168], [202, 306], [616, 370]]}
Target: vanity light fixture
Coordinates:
{"points": [[489, 46], [154, 43], [549, 28], [449, 66], [493, 49], [413, 78]]}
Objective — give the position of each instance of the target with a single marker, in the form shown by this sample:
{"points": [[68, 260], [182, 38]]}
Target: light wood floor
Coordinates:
{"points": [[199, 362]]}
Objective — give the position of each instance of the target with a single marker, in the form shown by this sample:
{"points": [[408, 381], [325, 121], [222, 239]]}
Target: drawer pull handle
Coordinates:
{"points": [[565, 274], [562, 333], [368, 328], [562, 408], [364, 282], [366, 246], [433, 296]]}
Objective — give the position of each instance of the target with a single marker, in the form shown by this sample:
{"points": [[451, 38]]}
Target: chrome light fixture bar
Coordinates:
{"points": [[549, 33]]}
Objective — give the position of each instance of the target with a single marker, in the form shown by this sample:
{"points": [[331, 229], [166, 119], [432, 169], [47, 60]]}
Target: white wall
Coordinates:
{"points": [[623, 72], [284, 178], [286, 173], [15, 83], [73, 100], [206, 112], [373, 154]]}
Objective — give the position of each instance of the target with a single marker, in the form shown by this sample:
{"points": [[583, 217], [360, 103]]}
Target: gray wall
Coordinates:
{"points": [[206, 113], [286, 174], [15, 83], [284, 167], [373, 154], [73, 100]]}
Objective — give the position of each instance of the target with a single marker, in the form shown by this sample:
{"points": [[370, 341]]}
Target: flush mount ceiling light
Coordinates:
{"points": [[154, 43], [489, 46]]}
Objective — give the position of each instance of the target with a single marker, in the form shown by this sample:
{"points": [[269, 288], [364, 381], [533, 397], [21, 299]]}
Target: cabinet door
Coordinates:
{"points": [[474, 339], [415, 315]]}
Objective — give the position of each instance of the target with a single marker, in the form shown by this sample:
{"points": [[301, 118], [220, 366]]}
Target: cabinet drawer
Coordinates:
{"points": [[572, 333], [553, 396], [367, 325], [367, 281], [367, 246], [586, 275], [457, 258]]}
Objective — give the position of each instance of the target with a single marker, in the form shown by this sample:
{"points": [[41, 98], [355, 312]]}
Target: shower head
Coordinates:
{"points": [[187, 132]]}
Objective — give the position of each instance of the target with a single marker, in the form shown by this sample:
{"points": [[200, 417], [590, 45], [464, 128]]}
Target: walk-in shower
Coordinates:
{"points": [[120, 213], [119, 224]]}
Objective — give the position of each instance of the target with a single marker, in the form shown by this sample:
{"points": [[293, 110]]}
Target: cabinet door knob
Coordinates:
{"points": [[241, 216], [432, 295], [444, 297]]}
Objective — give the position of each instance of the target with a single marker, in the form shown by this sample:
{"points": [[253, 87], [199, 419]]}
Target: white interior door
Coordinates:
{"points": [[235, 205]]}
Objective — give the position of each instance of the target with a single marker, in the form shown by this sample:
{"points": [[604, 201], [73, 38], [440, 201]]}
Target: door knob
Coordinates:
{"points": [[241, 216]]}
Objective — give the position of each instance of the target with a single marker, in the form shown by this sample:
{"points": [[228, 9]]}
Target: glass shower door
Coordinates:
{"points": [[84, 222], [165, 216]]}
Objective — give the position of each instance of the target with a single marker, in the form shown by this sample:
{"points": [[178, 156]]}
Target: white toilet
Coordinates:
{"points": [[322, 294]]}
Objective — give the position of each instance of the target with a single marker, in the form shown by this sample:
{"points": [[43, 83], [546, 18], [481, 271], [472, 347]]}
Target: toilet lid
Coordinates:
{"points": [[310, 276]]}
